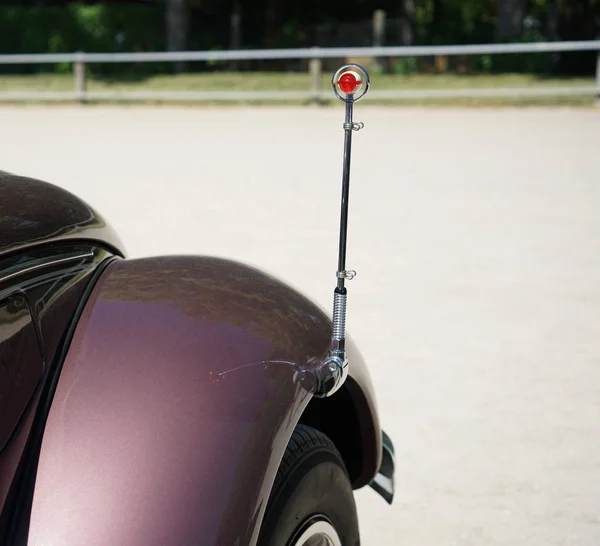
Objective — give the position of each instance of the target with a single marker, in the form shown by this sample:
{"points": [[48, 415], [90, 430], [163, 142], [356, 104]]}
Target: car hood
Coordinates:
{"points": [[33, 212]]}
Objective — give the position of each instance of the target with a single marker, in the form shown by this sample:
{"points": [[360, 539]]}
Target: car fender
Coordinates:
{"points": [[183, 382]]}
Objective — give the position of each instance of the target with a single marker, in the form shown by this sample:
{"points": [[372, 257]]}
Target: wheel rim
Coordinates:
{"points": [[317, 532]]}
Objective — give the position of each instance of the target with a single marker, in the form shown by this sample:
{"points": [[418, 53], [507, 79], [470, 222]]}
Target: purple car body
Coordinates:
{"points": [[150, 401]]}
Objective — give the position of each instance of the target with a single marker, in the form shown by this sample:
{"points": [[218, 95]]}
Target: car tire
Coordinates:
{"points": [[311, 501]]}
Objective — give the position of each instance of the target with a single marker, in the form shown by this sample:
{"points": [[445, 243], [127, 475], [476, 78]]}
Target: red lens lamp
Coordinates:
{"points": [[350, 83]]}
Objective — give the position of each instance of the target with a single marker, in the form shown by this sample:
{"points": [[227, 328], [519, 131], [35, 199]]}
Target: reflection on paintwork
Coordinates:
{"points": [[21, 364], [52, 300], [32, 212], [193, 364], [237, 295]]}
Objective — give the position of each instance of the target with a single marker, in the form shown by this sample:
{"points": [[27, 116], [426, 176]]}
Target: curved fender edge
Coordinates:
{"points": [[176, 401], [350, 419], [383, 482]]}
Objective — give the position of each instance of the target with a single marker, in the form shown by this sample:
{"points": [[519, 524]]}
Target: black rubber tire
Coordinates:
{"points": [[311, 481]]}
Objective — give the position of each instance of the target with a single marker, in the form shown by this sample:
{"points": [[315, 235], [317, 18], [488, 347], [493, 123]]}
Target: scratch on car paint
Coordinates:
{"points": [[214, 377], [306, 376]]}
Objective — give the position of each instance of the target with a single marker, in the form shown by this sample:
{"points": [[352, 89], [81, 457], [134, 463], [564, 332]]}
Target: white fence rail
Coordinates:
{"points": [[314, 55]]}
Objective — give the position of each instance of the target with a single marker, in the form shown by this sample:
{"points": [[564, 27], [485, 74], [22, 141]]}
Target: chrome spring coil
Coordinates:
{"points": [[339, 316]]}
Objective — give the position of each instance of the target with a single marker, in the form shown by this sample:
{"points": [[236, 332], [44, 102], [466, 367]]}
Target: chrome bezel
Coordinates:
{"points": [[351, 97]]}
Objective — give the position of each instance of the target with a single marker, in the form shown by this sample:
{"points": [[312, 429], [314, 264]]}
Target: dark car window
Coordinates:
{"points": [[21, 363]]}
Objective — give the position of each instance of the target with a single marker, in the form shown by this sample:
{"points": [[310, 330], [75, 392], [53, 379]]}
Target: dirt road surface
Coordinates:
{"points": [[476, 237]]}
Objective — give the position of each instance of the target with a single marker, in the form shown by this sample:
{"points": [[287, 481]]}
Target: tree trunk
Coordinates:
{"points": [[272, 30], [510, 18], [437, 20], [177, 28], [407, 20], [552, 31], [235, 38], [441, 61], [552, 20], [577, 21]]}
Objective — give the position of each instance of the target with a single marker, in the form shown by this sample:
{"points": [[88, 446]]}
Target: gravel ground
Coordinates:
{"points": [[476, 235]]}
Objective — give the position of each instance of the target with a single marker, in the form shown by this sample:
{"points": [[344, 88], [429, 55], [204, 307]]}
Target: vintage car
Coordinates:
{"points": [[181, 400]]}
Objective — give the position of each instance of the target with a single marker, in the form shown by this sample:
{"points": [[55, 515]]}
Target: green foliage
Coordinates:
{"points": [[405, 66], [454, 21], [113, 27], [75, 27]]}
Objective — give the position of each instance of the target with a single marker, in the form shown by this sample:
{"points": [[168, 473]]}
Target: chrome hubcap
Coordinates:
{"points": [[317, 532]]}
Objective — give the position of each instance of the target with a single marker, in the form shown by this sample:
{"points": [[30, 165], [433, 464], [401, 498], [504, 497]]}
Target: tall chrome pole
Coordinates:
{"points": [[345, 192], [350, 83]]}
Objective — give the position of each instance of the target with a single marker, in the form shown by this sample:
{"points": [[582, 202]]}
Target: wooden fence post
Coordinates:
{"points": [[315, 68], [79, 77], [598, 79], [378, 34], [235, 41]]}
